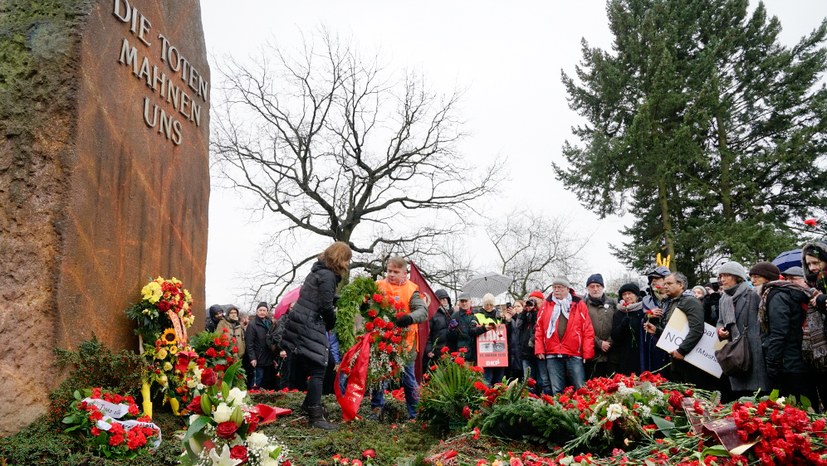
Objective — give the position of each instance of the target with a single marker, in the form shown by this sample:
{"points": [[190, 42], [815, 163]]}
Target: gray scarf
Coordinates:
{"points": [[726, 305], [561, 306]]}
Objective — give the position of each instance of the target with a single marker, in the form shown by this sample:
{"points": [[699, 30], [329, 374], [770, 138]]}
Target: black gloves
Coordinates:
{"points": [[329, 321], [404, 321]]}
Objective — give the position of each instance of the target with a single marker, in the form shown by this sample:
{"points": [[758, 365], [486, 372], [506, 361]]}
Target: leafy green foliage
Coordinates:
{"points": [[450, 395], [702, 125], [94, 365], [532, 420], [351, 301]]}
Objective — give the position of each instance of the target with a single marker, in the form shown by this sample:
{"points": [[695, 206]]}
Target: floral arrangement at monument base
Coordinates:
{"points": [[162, 316], [110, 424], [222, 428]]}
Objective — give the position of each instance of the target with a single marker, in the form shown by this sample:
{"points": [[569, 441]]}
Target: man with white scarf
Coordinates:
{"points": [[564, 337]]}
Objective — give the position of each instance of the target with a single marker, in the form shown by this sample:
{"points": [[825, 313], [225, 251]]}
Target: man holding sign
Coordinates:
{"points": [[675, 286]]}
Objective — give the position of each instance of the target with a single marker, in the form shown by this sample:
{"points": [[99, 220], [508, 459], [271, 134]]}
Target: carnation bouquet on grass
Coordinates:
{"points": [[222, 428], [109, 423]]}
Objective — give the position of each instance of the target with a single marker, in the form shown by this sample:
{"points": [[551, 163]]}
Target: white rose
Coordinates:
{"points": [[222, 413], [236, 396]]}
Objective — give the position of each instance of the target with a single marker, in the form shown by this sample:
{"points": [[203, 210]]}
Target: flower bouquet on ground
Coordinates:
{"points": [[222, 428], [109, 423], [376, 350]]}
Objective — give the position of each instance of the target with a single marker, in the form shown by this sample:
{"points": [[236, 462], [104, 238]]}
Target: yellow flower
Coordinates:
{"points": [[161, 354], [151, 292], [173, 349], [167, 366], [169, 337]]}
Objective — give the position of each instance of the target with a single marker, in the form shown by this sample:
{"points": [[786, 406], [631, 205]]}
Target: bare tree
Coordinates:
{"points": [[449, 266], [342, 150], [533, 250]]}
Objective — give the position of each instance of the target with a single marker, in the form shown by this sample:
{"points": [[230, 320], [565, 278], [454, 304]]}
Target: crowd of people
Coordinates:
{"points": [[560, 338]]}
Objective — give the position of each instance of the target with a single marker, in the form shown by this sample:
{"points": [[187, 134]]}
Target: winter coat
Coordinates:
{"points": [[513, 331], [465, 334], [652, 358], [438, 333], [526, 321], [694, 311], [786, 309], [578, 339], [746, 315], [601, 315], [234, 330], [627, 334], [256, 340], [312, 316]]}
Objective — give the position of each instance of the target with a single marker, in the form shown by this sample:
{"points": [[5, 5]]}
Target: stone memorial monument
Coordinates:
{"points": [[104, 177]]}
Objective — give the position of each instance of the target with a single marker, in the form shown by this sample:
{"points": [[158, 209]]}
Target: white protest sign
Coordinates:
{"points": [[702, 355]]}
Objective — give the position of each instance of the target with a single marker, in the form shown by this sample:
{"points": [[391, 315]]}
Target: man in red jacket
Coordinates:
{"points": [[564, 337]]}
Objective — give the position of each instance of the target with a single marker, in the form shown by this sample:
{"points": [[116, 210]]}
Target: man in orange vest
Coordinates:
{"points": [[396, 285]]}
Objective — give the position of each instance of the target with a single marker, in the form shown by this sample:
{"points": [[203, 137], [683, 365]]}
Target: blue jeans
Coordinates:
{"points": [[532, 368], [377, 399], [565, 369], [259, 377], [493, 375]]}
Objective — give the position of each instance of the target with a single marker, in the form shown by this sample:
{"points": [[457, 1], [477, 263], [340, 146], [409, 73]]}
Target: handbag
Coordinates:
{"points": [[735, 357]]}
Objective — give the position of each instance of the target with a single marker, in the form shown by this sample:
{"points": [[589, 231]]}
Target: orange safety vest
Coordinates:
{"points": [[403, 293]]}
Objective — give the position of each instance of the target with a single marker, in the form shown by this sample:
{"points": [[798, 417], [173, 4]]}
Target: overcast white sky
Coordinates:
{"points": [[506, 55]]}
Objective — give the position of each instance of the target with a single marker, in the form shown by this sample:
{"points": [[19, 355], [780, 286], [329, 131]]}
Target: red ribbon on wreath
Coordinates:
{"points": [[356, 379]]}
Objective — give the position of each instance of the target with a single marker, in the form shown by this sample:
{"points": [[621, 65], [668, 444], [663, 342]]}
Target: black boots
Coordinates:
{"points": [[317, 418]]}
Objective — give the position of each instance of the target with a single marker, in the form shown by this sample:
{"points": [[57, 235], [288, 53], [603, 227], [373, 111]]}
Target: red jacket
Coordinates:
{"points": [[579, 337]]}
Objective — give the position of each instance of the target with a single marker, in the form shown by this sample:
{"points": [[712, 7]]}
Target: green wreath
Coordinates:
{"points": [[351, 304]]}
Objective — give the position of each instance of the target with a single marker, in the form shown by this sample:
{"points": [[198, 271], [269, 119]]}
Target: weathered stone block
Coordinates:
{"points": [[104, 176]]}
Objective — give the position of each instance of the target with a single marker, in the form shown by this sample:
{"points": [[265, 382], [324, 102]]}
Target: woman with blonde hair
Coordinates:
{"points": [[310, 320]]}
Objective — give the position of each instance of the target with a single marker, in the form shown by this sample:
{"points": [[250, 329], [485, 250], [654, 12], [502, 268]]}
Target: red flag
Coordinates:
{"points": [[433, 304]]}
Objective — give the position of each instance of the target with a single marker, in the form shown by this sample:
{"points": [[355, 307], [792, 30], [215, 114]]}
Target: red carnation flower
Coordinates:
{"points": [[372, 313], [377, 297], [369, 327], [466, 412], [211, 352], [369, 453]]}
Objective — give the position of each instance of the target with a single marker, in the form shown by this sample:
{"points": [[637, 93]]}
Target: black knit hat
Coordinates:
{"points": [[595, 278], [264, 305], [629, 287], [765, 269]]}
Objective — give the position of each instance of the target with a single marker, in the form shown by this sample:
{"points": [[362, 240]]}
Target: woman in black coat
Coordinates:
{"points": [[312, 316]]}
